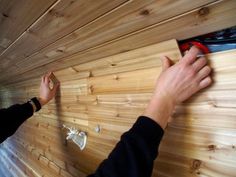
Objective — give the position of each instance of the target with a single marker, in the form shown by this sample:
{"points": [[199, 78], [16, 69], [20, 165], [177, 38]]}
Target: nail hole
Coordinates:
{"points": [[59, 50], [5, 15], [113, 64]]}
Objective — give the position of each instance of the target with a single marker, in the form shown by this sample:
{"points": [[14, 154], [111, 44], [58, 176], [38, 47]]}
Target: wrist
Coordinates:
{"points": [[42, 101], [160, 108], [36, 105]]}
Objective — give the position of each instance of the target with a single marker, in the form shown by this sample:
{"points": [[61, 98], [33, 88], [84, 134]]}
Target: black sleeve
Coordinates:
{"points": [[12, 118], [135, 153]]}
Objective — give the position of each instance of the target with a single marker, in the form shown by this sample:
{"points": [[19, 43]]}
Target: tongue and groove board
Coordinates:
{"points": [[200, 141], [130, 25], [39, 146], [18, 15], [106, 55]]}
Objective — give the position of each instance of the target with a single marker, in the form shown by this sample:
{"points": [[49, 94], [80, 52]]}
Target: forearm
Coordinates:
{"points": [[160, 108], [135, 152], [13, 117]]}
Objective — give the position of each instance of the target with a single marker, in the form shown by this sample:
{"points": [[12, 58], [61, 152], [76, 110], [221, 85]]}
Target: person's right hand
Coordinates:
{"points": [[182, 80], [47, 93], [176, 84]]}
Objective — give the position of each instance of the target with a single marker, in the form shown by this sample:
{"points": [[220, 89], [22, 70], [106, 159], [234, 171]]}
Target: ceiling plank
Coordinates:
{"points": [[221, 15], [16, 16], [120, 23], [62, 19]]}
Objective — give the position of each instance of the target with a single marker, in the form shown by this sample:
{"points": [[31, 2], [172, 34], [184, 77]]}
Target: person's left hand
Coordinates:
{"points": [[47, 93]]}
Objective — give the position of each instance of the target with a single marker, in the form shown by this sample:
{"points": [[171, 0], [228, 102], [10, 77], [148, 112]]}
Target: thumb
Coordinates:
{"points": [[165, 62], [55, 88]]}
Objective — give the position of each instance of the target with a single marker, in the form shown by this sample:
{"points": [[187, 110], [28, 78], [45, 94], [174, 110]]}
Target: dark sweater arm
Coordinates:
{"points": [[12, 118], [134, 154]]}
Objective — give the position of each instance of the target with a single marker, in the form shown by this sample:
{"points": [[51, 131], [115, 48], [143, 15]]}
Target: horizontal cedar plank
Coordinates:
{"points": [[133, 82], [167, 161], [198, 152], [144, 80], [4, 166], [12, 24], [29, 172], [221, 15], [55, 153], [144, 57], [46, 154], [31, 158], [141, 58], [129, 24], [189, 137], [56, 23], [185, 26], [11, 167], [123, 21]]}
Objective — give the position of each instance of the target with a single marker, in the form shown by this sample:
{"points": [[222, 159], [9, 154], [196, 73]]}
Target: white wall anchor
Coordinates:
{"points": [[97, 129], [78, 137]]}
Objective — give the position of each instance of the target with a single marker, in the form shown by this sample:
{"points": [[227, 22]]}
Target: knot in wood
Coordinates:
{"points": [[212, 147], [116, 77], [196, 164], [55, 13], [91, 89], [145, 12], [112, 64], [5, 15], [203, 11], [60, 50]]}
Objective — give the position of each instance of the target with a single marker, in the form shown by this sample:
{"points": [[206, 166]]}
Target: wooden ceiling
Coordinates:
{"points": [[37, 36]]}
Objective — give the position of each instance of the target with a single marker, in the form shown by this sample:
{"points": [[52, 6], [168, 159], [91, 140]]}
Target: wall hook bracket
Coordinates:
{"points": [[78, 137]]}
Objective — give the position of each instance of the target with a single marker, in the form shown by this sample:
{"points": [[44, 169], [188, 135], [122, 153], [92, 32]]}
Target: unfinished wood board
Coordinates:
{"points": [[183, 26], [128, 17], [16, 16], [200, 141], [75, 106], [62, 19], [121, 21]]}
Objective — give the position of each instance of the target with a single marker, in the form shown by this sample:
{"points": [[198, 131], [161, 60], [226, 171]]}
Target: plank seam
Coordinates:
{"points": [[32, 24], [43, 47]]}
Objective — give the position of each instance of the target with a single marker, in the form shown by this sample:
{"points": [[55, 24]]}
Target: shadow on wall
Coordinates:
{"points": [[63, 147], [69, 160]]}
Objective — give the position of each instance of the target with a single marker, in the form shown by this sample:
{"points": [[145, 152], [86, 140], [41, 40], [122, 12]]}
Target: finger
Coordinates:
{"points": [[47, 77], [54, 79], [55, 88], [205, 82], [165, 62], [204, 72], [47, 81], [199, 64], [191, 55], [43, 79]]}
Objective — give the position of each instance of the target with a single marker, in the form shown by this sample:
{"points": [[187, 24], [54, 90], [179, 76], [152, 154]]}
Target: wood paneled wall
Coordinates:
{"points": [[106, 55]]}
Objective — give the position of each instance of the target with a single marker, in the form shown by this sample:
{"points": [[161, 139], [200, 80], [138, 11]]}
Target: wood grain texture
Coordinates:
{"points": [[193, 144], [193, 20], [181, 27], [107, 61], [39, 146], [16, 16], [59, 21]]}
